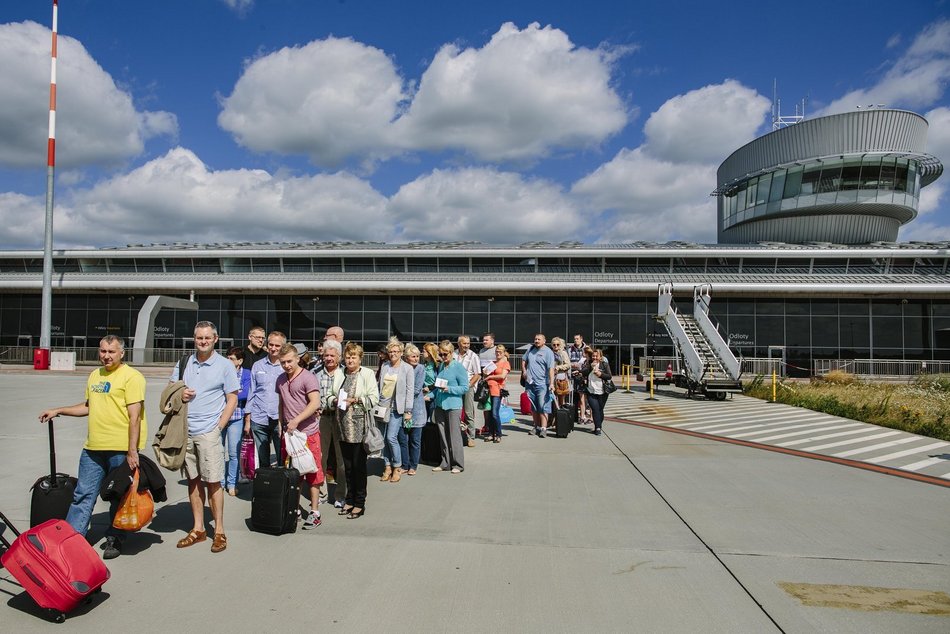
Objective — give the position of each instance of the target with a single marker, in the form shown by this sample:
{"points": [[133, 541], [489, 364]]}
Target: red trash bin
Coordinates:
{"points": [[40, 359]]}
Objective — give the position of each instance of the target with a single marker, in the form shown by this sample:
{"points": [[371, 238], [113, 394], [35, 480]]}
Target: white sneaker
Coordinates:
{"points": [[312, 521]]}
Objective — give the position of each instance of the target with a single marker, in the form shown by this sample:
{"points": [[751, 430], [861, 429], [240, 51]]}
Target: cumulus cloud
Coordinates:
{"points": [[486, 205], [97, 122], [178, 198], [917, 79], [706, 124], [933, 198], [652, 199], [660, 190], [330, 100], [523, 94]]}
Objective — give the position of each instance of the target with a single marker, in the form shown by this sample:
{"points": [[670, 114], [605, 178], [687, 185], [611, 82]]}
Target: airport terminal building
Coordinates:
{"points": [[806, 269]]}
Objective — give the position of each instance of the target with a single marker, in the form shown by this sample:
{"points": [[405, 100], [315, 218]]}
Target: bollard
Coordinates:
{"points": [[774, 397], [652, 384]]}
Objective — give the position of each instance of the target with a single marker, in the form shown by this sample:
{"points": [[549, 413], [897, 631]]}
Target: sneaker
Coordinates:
{"points": [[598, 432], [112, 548], [312, 521], [338, 504], [543, 433], [322, 499]]}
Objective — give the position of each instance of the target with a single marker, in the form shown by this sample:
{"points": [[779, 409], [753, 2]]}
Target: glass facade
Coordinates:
{"points": [[854, 179], [806, 328]]}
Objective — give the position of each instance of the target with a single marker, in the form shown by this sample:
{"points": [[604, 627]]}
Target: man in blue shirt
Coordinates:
{"points": [[261, 410], [211, 389], [537, 366]]}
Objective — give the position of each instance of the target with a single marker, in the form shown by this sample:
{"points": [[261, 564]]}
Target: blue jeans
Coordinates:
{"points": [[392, 455], [231, 439], [495, 418], [410, 443], [264, 435], [93, 468]]}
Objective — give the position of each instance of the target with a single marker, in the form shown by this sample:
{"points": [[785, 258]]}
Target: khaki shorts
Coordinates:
{"points": [[204, 457]]}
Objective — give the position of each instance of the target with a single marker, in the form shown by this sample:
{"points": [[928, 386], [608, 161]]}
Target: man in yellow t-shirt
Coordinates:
{"points": [[115, 394]]}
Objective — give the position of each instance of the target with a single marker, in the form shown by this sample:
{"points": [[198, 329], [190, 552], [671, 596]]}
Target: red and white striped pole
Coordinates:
{"points": [[41, 356]]}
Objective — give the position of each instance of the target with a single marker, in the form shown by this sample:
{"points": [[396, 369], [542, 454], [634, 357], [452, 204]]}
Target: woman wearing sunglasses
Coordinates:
{"points": [[451, 385]]}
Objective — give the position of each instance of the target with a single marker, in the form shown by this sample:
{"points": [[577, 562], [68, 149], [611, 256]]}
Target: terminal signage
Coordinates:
{"points": [[740, 339], [603, 337]]}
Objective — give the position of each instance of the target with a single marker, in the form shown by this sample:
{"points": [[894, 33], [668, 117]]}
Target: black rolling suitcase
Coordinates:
{"points": [[430, 451], [275, 500], [564, 418], [53, 493]]}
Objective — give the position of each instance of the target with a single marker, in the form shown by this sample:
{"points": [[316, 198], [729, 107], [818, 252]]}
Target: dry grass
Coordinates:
{"points": [[920, 408]]}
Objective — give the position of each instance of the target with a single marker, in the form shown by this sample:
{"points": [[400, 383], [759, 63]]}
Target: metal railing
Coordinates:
{"points": [[866, 368]]}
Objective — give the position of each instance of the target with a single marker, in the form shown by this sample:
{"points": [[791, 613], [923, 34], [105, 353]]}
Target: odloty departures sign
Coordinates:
{"points": [[605, 337], [740, 339]]}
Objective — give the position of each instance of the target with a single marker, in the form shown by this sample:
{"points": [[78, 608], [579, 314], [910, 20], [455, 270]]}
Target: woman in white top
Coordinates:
{"points": [[596, 374]]}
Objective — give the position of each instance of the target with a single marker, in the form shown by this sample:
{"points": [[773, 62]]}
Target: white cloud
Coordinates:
{"points": [[652, 199], [177, 198], [241, 7], [486, 205], [96, 122], [523, 94], [917, 79], [330, 100], [706, 124]]}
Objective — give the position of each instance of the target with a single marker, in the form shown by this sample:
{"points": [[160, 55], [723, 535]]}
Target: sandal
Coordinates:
{"points": [[411, 472], [220, 542], [345, 510], [356, 514], [193, 537]]}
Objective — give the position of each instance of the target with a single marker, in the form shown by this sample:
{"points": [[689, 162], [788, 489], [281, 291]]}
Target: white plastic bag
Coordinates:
{"points": [[295, 442]]}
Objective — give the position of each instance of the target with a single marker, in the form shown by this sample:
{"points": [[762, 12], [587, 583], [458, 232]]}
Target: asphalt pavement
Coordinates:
{"points": [[638, 530]]}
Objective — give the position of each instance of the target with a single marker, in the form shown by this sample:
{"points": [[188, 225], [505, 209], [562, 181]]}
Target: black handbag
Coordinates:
{"points": [[481, 392], [609, 386]]}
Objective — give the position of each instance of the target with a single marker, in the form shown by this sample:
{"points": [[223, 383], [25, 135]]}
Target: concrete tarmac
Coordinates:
{"points": [[638, 530]]}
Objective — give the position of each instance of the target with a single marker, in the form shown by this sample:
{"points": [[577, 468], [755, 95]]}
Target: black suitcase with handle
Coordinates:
{"points": [[51, 494], [275, 500], [565, 417]]}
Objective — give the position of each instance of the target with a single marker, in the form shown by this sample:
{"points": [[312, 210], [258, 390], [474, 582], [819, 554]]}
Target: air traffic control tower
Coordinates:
{"points": [[849, 179]]}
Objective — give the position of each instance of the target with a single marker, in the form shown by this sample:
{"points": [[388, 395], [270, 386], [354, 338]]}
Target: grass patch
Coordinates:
{"points": [[922, 407]]}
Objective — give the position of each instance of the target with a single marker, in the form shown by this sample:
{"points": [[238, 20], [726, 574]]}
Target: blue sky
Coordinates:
{"points": [[243, 120]]}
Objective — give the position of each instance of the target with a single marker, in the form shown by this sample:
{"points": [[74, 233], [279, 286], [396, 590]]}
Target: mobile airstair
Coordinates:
{"points": [[709, 366]]}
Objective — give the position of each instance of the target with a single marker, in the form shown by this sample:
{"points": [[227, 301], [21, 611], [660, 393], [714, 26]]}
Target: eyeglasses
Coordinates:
{"points": [[445, 354]]}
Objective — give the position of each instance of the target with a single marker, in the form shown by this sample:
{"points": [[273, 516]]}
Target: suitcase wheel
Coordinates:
{"points": [[56, 616]]}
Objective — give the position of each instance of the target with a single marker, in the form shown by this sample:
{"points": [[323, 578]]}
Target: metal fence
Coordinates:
{"points": [[750, 365], [880, 368]]}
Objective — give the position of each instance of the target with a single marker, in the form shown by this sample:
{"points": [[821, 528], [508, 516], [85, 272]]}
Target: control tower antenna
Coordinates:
{"points": [[778, 121]]}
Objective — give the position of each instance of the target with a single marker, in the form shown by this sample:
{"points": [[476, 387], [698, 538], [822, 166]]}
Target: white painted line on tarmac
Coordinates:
{"points": [[772, 426], [761, 420], [825, 423], [923, 464], [907, 452], [825, 437], [851, 442], [801, 433], [882, 445]]}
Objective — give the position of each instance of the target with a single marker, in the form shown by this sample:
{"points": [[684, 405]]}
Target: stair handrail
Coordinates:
{"points": [[702, 299], [667, 312]]}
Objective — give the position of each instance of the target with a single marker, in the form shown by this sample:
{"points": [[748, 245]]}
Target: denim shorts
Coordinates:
{"points": [[540, 397]]}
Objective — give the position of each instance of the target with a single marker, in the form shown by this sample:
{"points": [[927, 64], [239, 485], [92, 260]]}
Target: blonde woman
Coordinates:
{"points": [[451, 384], [396, 391], [562, 367], [496, 383], [362, 395]]}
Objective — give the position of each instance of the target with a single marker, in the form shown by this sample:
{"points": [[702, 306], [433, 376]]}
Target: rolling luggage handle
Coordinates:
{"points": [[8, 524]]}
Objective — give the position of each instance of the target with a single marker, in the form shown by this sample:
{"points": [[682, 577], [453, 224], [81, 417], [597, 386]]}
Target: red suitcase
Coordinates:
{"points": [[55, 565], [525, 403]]}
